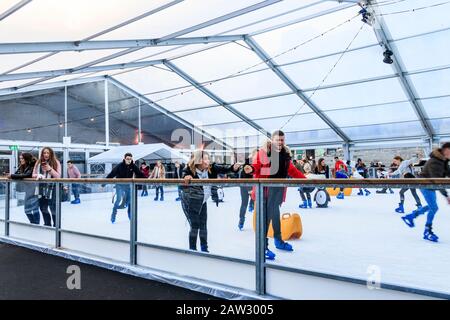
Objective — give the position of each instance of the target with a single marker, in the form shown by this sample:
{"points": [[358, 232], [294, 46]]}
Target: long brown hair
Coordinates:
{"points": [[30, 161], [52, 161], [319, 165], [196, 159], [398, 158]]}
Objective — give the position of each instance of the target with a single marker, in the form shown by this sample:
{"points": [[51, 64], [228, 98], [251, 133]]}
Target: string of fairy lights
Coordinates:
{"points": [[191, 88]]}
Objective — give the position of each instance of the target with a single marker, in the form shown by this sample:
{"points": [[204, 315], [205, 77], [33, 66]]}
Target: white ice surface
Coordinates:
{"points": [[344, 239]]}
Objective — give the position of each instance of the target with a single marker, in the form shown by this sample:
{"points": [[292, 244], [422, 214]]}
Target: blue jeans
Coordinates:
{"points": [[121, 192], [76, 190], [431, 207], [158, 189]]}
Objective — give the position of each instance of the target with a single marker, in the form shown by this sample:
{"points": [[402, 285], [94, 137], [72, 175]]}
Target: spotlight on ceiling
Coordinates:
{"points": [[387, 56]]}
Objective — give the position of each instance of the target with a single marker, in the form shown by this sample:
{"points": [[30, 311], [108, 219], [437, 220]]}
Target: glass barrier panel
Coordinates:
{"points": [[33, 206], [95, 219], [169, 215], [359, 233], [24, 202], [199, 224], [2, 207], [2, 199], [96, 209]]}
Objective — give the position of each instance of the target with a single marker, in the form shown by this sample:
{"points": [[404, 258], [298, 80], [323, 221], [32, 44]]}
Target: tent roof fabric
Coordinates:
{"points": [[151, 152], [238, 70]]}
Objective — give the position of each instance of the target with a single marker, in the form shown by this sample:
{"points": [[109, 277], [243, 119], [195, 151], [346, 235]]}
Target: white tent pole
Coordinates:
{"points": [[139, 117], [106, 113], [65, 111]]}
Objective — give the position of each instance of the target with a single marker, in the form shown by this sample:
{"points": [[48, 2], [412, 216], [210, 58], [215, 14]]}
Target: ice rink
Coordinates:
{"points": [[349, 238]]}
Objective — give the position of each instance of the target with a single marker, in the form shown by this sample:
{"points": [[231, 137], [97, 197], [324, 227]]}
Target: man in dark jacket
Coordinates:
{"points": [[436, 167], [125, 170]]}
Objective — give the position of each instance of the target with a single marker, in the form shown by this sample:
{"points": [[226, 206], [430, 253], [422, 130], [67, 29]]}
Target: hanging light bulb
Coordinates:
{"points": [[61, 125], [29, 130], [92, 119]]}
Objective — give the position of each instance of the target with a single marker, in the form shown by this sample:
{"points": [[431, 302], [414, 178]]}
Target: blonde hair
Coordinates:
{"points": [[196, 159], [307, 167]]}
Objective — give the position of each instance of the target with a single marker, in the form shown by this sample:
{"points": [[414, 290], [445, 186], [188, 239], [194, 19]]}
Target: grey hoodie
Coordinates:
{"points": [[405, 167]]}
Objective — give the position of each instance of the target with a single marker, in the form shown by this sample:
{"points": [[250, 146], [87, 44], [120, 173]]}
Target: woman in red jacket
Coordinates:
{"points": [[273, 160], [145, 170]]}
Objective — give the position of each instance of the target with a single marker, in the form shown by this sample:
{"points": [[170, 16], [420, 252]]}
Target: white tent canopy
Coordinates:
{"points": [[150, 152]]}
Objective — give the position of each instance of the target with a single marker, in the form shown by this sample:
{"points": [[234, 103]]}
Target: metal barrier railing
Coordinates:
{"points": [[260, 238]]}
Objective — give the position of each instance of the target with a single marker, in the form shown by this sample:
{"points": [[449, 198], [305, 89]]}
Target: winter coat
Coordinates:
{"points": [[56, 173], [404, 168], [338, 164], [362, 170], [145, 172], [193, 195], [124, 171], [28, 187], [436, 167], [341, 174], [261, 169], [325, 171], [158, 174], [47, 190], [73, 173]]}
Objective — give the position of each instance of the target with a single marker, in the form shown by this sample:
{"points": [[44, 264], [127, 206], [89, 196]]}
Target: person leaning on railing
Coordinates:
{"points": [[436, 167], [273, 160], [194, 198], [25, 170], [48, 167]]}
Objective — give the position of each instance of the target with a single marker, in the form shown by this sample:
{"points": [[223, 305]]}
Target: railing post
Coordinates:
{"points": [[133, 224], [58, 215], [7, 207], [260, 241]]}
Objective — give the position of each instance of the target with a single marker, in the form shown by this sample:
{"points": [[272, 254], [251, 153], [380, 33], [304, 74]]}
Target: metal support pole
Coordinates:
{"points": [[139, 121], [133, 224], [347, 152], [106, 113], [7, 207], [86, 163], [66, 157], [65, 111], [58, 216], [260, 241]]}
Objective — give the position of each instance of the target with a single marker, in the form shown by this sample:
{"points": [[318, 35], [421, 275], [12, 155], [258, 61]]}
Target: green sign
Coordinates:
{"points": [[14, 148]]}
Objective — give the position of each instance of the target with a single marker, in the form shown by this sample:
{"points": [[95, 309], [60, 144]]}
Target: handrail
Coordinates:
{"points": [[266, 182], [260, 240]]}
